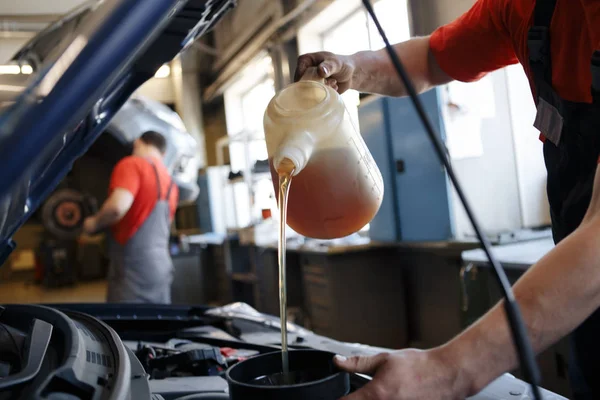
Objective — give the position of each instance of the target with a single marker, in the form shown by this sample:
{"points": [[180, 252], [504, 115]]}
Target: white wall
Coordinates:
{"points": [[531, 172], [448, 10], [506, 183], [9, 46], [427, 15], [47, 10], [159, 89], [490, 178]]}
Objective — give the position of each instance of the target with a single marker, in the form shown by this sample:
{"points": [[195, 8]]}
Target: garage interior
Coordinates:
{"points": [[412, 278]]}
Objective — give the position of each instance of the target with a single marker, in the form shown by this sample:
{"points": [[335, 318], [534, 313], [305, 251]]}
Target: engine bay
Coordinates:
{"points": [[48, 353], [140, 352]]}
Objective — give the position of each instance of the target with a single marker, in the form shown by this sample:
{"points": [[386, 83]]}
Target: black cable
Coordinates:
{"points": [[519, 332]]}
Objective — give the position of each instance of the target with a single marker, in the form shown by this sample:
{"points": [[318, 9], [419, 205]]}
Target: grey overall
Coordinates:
{"points": [[141, 271]]}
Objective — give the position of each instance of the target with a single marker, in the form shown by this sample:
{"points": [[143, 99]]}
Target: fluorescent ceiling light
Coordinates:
{"points": [[10, 69], [26, 69], [163, 72], [12, 88]]}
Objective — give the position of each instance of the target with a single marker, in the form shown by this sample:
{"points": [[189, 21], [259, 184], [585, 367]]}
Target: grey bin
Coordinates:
{"points": [[193, 280], [357, 296]]}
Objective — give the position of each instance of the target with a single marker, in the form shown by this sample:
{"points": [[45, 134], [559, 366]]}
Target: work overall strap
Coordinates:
{"points": [[171, 184], [538, 41]]}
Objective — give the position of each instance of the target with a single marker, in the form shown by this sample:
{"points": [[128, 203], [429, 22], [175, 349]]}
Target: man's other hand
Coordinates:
{"points": [[338, 71], [90, 226], [406, 375]]}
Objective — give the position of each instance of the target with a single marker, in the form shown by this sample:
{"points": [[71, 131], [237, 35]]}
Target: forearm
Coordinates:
{"points": [[107, 216], [555, 296], [113, 209], [375, 73]]}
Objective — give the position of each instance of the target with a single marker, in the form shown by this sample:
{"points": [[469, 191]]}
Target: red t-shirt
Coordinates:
{"points": [[137, 175], [493, 34]]}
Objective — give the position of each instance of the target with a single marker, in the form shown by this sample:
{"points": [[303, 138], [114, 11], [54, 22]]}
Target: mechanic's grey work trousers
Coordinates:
{"points": [[141, 271]]}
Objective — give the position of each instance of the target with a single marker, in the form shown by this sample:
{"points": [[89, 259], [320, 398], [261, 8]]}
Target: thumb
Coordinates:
{"points": [[361, 364]]}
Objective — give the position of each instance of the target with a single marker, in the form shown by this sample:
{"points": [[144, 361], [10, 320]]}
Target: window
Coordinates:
{"points": [[393, 16], [354, 31], [246, 99], [349, 36], [245, 102]]}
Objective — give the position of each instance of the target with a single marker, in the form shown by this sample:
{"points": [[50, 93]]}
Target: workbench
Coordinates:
{"points": [[515, 256], [387, 294]]}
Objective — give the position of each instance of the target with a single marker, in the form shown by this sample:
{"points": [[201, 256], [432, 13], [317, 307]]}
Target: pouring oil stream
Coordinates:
{"points": [[285, 171]]}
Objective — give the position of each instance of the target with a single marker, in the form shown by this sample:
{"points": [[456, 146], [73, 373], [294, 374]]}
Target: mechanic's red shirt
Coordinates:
{"points": [[136, 175], [493, 34]]}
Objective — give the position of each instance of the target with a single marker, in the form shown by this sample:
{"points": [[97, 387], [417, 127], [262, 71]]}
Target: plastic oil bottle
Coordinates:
{"points": [[337, 187]]}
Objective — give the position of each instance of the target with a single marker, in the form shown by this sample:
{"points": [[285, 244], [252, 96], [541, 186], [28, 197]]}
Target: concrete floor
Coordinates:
{"points": [[22, 292]]}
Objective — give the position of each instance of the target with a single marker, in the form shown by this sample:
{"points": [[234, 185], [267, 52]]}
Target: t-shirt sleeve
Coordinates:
{"points": [[126, 175], [476, 43]]}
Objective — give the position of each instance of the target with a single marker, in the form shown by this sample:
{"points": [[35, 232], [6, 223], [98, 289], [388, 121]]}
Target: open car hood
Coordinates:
{"points": [[52, 118]]}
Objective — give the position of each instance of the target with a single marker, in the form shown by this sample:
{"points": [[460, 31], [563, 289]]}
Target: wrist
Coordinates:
{"points": [[356, 64], [457, 362]]}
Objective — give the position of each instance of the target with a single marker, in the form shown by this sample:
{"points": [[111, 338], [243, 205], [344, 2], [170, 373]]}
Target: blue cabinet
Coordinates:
{"points": [[416, 204]]}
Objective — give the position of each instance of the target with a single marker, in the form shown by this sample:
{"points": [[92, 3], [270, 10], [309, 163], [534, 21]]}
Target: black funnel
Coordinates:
{"points": [[312, 376]]}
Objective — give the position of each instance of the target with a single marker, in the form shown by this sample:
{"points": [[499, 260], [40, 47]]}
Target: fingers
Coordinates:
{"points": [[371, 391], [304, 62], [328, 64], [332, 82], [361, 364]]}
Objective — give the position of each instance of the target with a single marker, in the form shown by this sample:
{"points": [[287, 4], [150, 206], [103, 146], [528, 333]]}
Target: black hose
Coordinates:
{"points": [[519, 332]]}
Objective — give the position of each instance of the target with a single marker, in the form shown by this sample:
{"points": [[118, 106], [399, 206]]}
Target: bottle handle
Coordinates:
{"points": [[312, 74]]}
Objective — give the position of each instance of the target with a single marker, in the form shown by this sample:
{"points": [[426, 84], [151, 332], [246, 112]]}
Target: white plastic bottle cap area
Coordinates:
{"points": [[297, 148]]}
